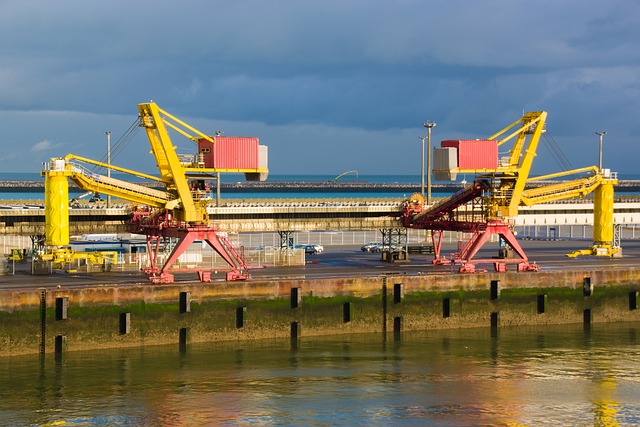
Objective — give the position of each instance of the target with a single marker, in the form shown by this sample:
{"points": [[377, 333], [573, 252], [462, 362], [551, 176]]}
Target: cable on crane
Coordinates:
{"points": [[126, 138], [557, 154], [120, 144]]}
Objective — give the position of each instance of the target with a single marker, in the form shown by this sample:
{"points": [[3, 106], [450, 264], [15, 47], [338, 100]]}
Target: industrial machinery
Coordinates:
{"points": [[177, 211], [16, 254], [490, 204], [95, 197], [343, 174]]}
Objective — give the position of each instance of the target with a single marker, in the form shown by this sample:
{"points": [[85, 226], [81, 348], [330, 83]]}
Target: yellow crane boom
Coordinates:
{"points": [[171, 171]]}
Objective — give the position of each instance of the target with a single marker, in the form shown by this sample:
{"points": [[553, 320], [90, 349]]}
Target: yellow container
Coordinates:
{"points": [[56, 201]]}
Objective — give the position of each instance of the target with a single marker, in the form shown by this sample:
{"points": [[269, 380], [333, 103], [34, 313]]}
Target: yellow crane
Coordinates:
{"points": [[178, 211], [490, 204]]}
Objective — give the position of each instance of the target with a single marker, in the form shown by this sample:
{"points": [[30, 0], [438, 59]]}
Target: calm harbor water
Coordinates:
{"points": [[542, 376]]}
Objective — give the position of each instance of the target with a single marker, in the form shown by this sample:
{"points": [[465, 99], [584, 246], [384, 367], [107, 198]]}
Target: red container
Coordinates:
{"points": [[475, 154], [230, 152]]}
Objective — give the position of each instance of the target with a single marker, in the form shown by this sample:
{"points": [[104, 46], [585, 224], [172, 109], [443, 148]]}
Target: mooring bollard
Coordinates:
{"points": [[185, 302], [397, 324], [495, 319], [633, 300], [62, 304], [183, 337], [61, 344], [125, 323], [398, 293], [446, 307], [542, 303], [495, 289], [384, 305], [586, 317], [587, 287], [296, 297], [241, 317], [295, 330], [346, 312]]}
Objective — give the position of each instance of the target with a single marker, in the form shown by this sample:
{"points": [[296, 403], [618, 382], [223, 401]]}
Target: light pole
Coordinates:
{"points": [[422, 167], [108, 133], [600, 134], [429, 124]]}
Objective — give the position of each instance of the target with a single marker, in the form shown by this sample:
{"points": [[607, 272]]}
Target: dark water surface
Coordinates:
{"points": [[555, 376]]}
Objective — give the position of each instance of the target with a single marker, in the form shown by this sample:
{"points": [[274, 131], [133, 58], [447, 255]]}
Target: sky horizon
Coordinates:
{"points": [[329, 86]]}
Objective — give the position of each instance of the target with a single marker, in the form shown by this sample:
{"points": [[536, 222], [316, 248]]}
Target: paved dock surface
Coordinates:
{"points": [[346, 261]]}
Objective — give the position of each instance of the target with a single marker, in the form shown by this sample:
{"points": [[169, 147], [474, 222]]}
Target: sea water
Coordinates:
{"points": [[534, 376]]}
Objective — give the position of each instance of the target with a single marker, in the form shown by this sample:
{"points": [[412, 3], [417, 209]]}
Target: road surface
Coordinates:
{"points": [[344, 261]]}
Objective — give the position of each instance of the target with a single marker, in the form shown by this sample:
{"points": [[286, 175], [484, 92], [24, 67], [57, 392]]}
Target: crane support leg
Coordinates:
{"points": [[178, 250], [186, 236], [217, 242], [225, 249], [436, 239], [153, 246], [480, 237], [477, 241]]}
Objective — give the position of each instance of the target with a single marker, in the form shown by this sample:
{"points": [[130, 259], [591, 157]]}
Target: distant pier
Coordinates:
{"points": [[8, 186]]}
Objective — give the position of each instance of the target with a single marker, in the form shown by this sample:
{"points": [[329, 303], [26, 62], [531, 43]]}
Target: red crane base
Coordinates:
{"points": [[186, 235], [478, 238]]}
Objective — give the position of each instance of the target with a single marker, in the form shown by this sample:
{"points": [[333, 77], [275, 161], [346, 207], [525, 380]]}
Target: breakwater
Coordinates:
{"points": [[108, 316], [273, 187], [8, 186]]}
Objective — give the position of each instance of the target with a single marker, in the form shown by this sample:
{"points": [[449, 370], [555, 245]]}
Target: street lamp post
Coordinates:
{"points": [[422, 167], [108, 133], [429, 124], [600, 134]]}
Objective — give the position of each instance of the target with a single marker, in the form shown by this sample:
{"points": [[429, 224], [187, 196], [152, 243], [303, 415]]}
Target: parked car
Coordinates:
{"points": [[379, 247], [368, 246], [313, 249], [296, 247]]}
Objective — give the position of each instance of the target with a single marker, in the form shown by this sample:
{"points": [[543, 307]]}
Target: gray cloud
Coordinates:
{"points": [[355, 78]]}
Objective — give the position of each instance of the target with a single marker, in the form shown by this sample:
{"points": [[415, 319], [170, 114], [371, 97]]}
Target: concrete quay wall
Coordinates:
{"points": [[108, 316]]}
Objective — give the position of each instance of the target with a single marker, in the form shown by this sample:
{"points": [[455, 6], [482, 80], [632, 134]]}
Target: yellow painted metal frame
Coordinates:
{"points": [[177, 196], [171, 171], [62, 256], [509, 191], [564, 190], [70, 157], [155, 122]]}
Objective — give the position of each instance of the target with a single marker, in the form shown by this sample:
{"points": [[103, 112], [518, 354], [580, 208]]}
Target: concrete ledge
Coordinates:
{"points": [[140, 315]]}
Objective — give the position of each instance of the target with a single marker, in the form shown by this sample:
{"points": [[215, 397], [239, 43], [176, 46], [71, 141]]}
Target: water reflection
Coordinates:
{"points": [[522, 376]]}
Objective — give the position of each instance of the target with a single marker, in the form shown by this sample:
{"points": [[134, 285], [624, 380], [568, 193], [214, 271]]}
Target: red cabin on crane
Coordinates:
{"points": [[234, 153]]}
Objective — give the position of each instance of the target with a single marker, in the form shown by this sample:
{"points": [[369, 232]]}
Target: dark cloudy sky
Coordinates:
{"points": [[328, 85]]}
